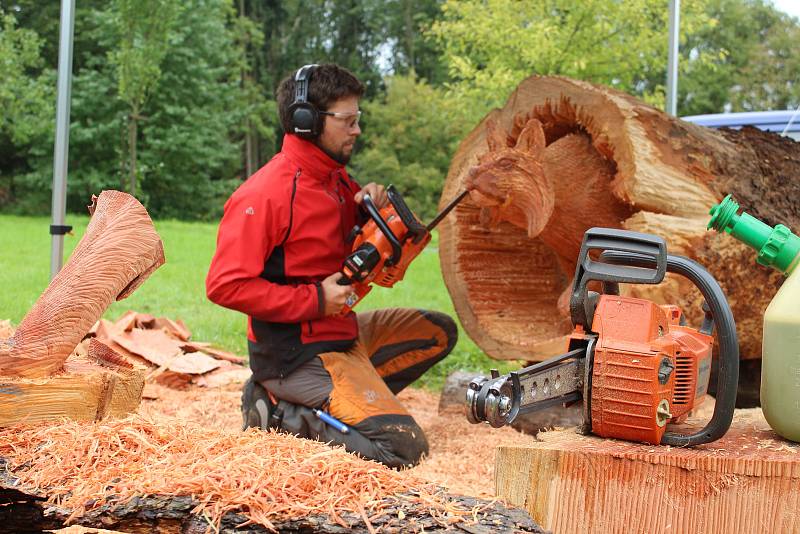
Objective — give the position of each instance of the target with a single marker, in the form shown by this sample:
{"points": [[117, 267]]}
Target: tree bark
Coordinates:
{"points": [[563, 156], [118, 252], [26, 510], [132, 135]]}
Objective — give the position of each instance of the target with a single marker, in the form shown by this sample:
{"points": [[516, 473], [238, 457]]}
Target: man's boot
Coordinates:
{"points": [[258, 411]]}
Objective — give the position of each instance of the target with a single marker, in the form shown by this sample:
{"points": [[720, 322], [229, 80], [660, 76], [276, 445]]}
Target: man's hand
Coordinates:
{"points": [[334, 294], [377, 192]]}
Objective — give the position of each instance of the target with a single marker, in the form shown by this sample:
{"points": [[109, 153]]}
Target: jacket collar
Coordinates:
{"points": [[309, 157]]}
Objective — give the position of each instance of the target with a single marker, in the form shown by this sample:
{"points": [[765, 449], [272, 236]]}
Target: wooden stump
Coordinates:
{"points": [[563, 156], [96, 383], [748, 481], [40, 375]]}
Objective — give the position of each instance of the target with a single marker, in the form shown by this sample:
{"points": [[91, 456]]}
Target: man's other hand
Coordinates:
{"points": [[376, 192], [334, 294]]}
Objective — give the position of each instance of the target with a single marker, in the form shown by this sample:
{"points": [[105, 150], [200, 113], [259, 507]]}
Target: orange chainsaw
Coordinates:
{"points": [[386, 245], [634, 364]]}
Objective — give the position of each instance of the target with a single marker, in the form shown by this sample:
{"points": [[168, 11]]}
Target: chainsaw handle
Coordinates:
{"points": [[581, 306], [375, 215], [728, 366]]}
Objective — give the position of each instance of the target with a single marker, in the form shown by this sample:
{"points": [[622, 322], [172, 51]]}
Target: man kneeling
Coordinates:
{"points": [[283, 237]]}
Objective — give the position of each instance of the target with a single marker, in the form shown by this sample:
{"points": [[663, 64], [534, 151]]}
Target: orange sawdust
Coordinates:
{"points": [[262, 475]]}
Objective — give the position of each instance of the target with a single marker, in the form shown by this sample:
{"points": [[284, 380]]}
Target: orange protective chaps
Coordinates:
{"points": [[394, 348]]}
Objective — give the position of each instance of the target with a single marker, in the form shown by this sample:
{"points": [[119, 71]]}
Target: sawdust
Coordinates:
{"points": [[461, 455]]}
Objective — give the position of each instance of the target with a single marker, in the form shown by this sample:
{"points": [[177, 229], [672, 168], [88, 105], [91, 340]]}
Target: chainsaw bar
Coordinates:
{"points": [[500, 399]]}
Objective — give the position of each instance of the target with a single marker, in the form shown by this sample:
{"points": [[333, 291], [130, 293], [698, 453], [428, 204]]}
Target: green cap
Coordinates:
{"points": [[777, 247]]}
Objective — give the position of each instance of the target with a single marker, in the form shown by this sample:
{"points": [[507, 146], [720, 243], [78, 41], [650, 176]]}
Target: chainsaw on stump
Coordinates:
{"points": [[634, 364], [386, 245]]}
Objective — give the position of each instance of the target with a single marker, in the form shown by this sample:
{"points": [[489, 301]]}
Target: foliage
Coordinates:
{"points": [[491, 46], [770, 75], [187, 150], [189, 155], [410, 137], [433, 68], [753, 61], [143, 29], [24, 99]]}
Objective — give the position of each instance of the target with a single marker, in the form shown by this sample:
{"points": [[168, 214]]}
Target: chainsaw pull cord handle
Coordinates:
{"points": [[375, 215], [728, 366]]}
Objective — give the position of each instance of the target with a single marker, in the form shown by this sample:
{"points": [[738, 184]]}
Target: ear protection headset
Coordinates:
{"points": [[304, 118]]}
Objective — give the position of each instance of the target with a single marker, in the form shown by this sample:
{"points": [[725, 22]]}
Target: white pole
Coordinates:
{"points": [[61, 150], [672, 60]]}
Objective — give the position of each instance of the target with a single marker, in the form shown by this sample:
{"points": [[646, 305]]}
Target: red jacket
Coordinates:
{"points": [[283, 231]]}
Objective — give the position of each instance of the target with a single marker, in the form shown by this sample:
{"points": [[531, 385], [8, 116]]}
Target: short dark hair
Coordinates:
{"points": [[327, 83]]}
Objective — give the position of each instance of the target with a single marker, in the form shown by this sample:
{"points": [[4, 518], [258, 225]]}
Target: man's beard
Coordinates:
{"points": [[339, 157]]}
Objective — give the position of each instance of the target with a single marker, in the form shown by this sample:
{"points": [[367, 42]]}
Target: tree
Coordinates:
{"points": [[770, 77], [26, 100], [248, 40], [144, 28], [409, 139], [751, 61], [491, 45], [412, 49]]}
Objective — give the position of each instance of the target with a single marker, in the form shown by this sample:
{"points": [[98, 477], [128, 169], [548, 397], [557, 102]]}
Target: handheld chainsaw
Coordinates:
{"points": [[634, 364], [386, 245]]}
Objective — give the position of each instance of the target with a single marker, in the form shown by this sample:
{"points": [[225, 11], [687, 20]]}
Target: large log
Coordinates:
{"points": [[119, 250], [563, 156], [26, 510], [748, 481]]}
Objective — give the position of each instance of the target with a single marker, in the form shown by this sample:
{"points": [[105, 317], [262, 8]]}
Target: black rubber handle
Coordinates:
{"points": [[613, 239], [728, 366], [373, 212], [416, 230]]}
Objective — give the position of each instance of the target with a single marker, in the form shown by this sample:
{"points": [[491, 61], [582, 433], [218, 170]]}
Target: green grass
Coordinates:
{"points": [[177, 289]]}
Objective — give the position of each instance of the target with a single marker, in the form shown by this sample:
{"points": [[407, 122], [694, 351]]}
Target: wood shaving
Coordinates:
{"points": [[263, 475]]}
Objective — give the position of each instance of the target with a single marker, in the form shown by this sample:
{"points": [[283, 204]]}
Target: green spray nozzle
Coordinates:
{"points": [[777, 247]]}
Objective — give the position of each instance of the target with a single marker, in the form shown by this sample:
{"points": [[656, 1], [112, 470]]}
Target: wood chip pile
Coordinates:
{"points": [[81, 466], [165, 346]]}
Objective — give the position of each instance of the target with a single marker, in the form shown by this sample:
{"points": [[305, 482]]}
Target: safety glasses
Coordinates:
{"points": [[350, 119]]}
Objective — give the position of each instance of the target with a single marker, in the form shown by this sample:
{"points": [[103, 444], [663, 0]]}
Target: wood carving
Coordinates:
{"points": [[119, 250], [46, 371], [563, 156]]}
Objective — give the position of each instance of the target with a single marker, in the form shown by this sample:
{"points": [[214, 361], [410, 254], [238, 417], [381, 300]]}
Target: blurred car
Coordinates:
{"points": [[770, 121]]}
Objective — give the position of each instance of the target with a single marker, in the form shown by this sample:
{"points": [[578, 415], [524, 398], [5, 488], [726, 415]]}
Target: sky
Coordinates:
{"points": [[791, 7]]}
